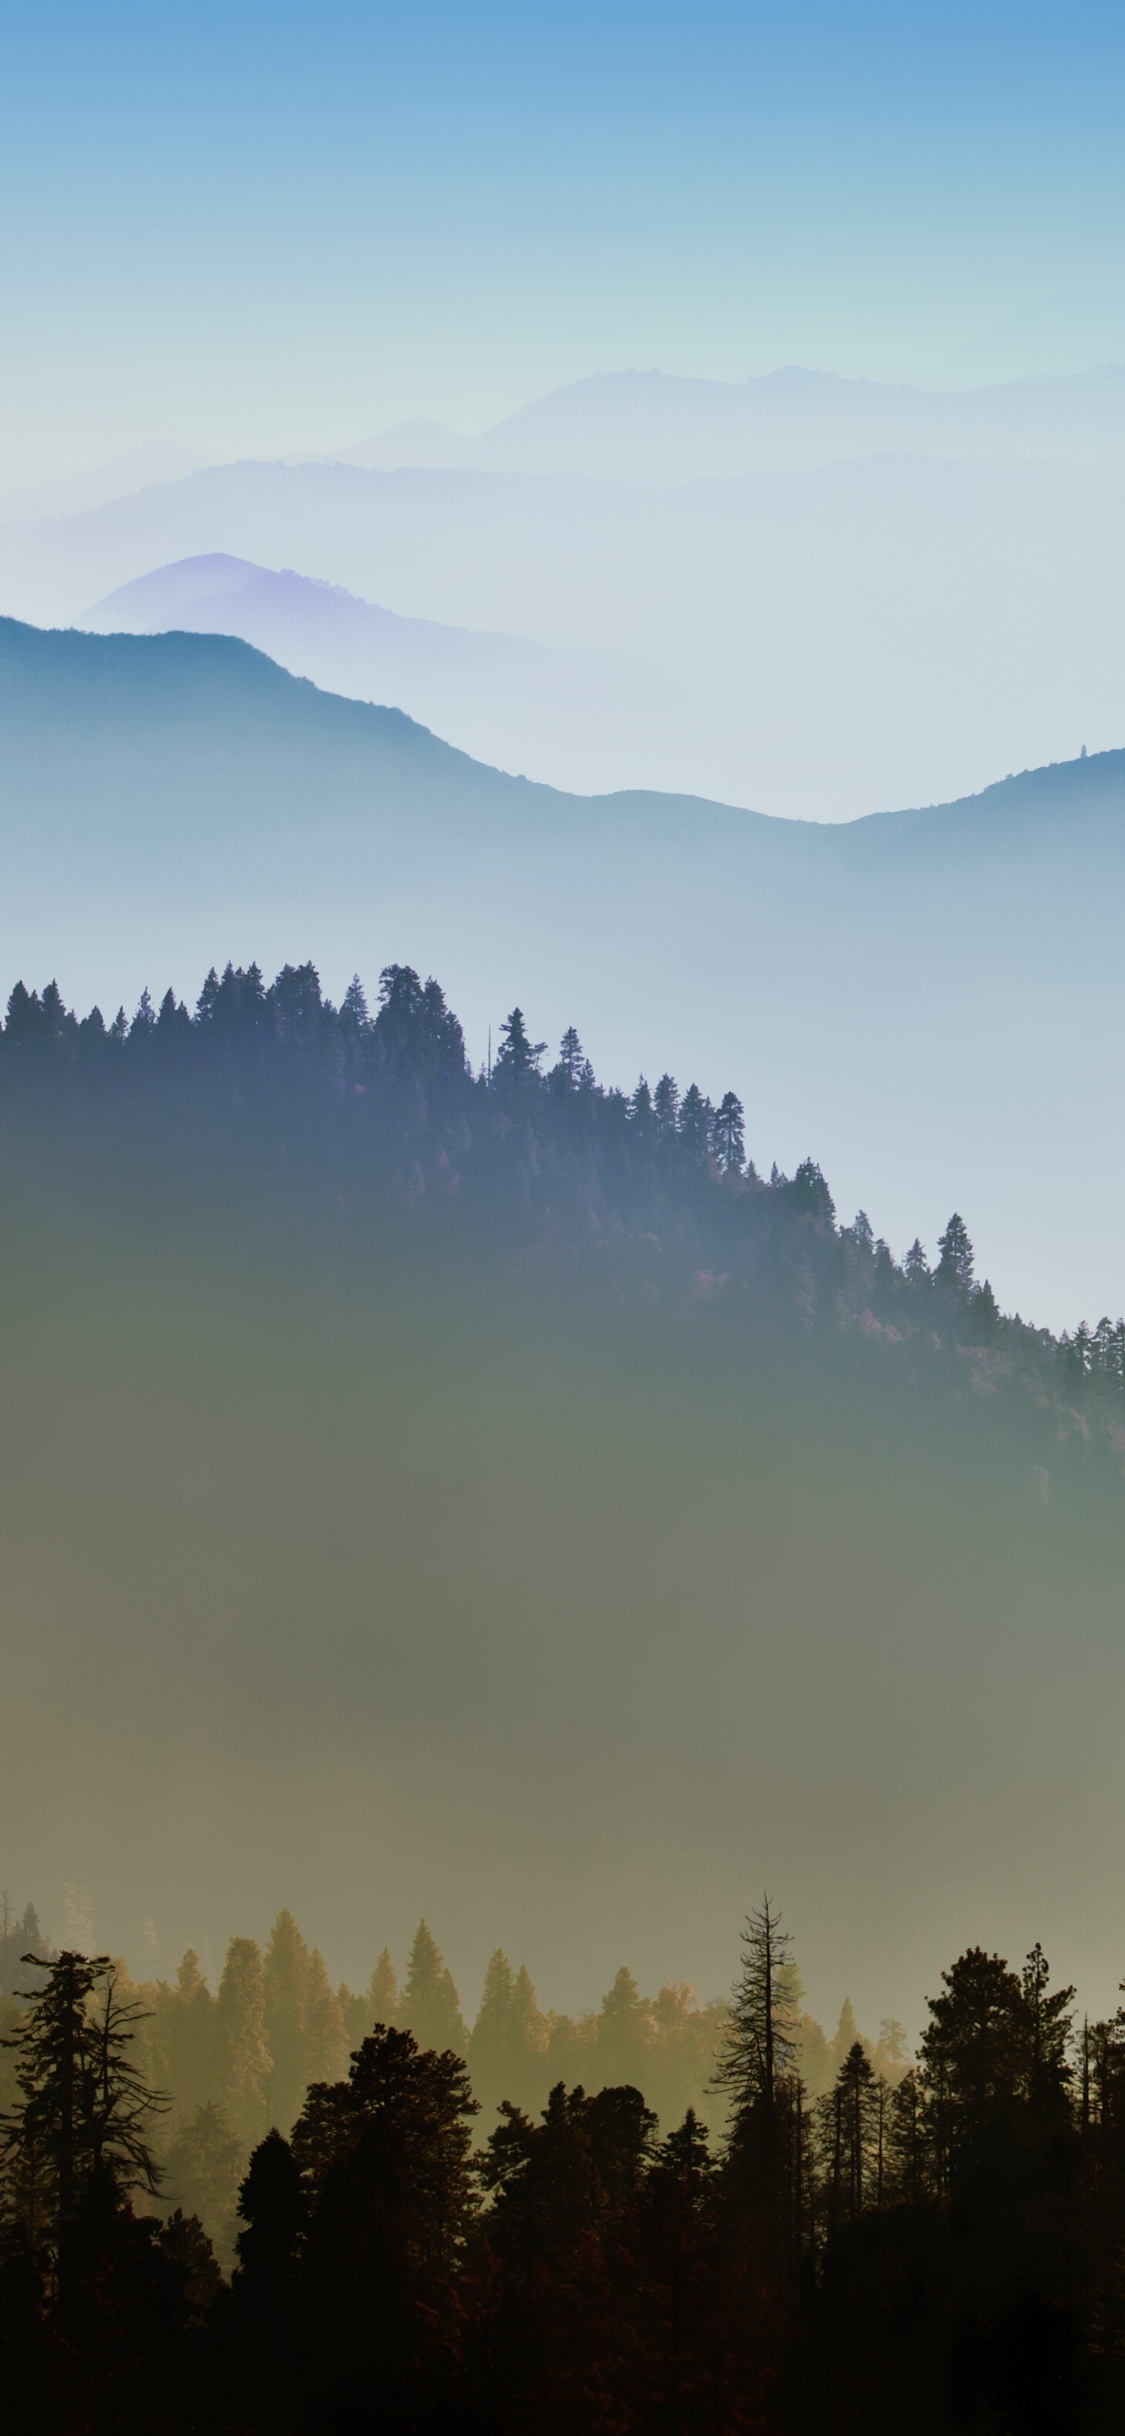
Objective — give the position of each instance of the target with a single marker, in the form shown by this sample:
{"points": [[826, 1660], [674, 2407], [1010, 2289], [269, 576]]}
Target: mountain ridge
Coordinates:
{"points": [[913, 993]]}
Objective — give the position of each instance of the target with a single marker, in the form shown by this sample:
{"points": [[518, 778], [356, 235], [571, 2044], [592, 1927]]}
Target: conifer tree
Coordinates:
{"points": [[623, 2036], [285, 1995], [201, 2172], [490, 2040], [695, 1124], [916, 1266], [382, 1992], [243, 2056], [517, 1057], [324, 2044], [846, 2034], [430, 2006], [955, 1267], [666, 1107], [756, 2071], [727, 1134], [84, 2113]]}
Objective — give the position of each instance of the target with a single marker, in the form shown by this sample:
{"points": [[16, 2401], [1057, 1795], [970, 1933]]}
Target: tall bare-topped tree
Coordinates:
{"points": [[760, 2042], [84, 2109], [767, 2132]]}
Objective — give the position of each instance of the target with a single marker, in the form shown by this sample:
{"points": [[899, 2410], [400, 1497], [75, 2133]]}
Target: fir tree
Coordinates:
{"points": [[430, 2006], [243, 2057]]}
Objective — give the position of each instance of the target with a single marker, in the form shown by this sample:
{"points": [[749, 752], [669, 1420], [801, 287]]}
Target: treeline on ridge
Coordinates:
{"points": [[377, 1120]]}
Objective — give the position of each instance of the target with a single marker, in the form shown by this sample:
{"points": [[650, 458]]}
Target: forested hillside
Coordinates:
{"points": [[378, 1128], [395, 1451], [910, 995]]}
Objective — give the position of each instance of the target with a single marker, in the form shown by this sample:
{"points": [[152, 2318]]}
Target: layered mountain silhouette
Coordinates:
{"points": [[818, 643], [503, 699], [656, 427], [922, 1000]]}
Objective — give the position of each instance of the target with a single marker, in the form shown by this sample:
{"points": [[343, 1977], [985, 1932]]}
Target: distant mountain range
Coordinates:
{"points": [[929, 1002], [864, 634], [505, 700], [655, 427]]}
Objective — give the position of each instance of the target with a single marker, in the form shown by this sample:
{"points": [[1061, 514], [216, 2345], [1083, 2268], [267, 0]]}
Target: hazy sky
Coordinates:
{"points": [[276, 228]]}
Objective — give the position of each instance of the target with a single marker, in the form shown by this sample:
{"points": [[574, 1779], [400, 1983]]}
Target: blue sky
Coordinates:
{"points": [[270, 229]]}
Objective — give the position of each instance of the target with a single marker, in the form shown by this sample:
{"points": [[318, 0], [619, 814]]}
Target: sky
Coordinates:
{"points": [[277, 229]]}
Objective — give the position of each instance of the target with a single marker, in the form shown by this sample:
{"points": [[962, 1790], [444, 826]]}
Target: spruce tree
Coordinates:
{"points": [[324, 2044], [84, 2113], [955, 1268], [430, 2006], [285, 1992], [727, 1134], [243, 2057]]}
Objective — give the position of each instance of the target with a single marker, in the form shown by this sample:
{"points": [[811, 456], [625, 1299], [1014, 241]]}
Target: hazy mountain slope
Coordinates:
{"points": [[860, 636], [656, 427], [406, 1549], [513, 703], [915, 999], [73, 494]]}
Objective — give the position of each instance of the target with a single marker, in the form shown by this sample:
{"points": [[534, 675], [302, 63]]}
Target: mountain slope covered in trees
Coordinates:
{"points": [[914, 995], [493, 1495]]}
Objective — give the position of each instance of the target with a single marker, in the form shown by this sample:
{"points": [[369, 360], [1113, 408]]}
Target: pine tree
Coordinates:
{"points": [[573, 1071], [183, 2036], [324, 2044], [517, 1058], [623, 2038], [955, 1268], [430, 2006], [382, 1992], [759, 2042], [243, 2056], [666, 1107], [491, 2037], [696, 1113], [354, 1018], [84, 2113], [285, 1991], [907, 2147], [201, 2169], [727, 1134], [846, 2034]]}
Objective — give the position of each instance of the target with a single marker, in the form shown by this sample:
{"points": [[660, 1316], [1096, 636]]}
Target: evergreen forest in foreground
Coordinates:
{"points": [[929, 2243]]}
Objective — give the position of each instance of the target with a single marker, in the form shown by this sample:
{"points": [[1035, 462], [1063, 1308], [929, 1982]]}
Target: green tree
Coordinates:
{"points": [[430, 2004], [384, 2161], [916, 1266], [955, 1266], [623, 2038], [84, 2114], [201, 2169], [285, 1999], [728, 1134], [517, 1057], [183, 2037], [324, 2043], [696, 1113], [977, 2050], [243, 2057]]}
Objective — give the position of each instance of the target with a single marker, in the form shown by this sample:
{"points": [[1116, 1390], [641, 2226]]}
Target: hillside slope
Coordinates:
{"points": [[914, 995], [507, 701], [817, 643]]}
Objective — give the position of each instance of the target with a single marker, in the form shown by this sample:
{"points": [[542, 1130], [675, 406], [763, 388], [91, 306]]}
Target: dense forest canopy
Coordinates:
{"points": [[928, 2241], [553, 1162]]}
